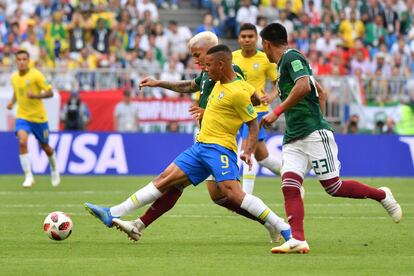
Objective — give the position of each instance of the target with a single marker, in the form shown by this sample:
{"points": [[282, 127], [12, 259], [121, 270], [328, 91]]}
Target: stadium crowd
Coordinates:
{"points": [[368, 39]]}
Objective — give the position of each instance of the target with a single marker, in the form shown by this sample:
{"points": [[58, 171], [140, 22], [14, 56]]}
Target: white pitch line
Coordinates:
{"points": [[83, 214], [80, 205]]}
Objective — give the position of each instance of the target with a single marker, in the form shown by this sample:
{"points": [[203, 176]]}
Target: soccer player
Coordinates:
{"points": [[308, 140], [30, 87], [198, 46], [256, 69], [229, 105]]}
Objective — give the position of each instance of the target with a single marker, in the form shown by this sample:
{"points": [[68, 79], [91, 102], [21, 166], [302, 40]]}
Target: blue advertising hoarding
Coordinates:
{"points": [[148, 154]]}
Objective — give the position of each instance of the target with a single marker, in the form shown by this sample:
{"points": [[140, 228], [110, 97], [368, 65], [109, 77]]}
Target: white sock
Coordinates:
{"points": [[52, 162], [271, 163], [140, 198], [25, 163], [256, 207], [249, 176]]}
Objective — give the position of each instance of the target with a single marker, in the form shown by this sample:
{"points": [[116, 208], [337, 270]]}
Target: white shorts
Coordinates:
{"points": [[318, 151], [210, 177]]}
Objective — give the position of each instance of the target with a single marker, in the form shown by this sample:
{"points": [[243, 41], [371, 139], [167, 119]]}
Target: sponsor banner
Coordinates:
{"points": [[101, 105], [147, 154]]}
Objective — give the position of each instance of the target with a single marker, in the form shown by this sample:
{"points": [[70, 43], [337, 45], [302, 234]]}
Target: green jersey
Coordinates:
{"points": [[306, 116], [206, 85]]}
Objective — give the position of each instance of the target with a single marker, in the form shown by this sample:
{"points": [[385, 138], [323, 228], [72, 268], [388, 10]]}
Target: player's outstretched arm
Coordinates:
{"points": [[322, 97], [298, 92], [251, 143], [186, 86]]}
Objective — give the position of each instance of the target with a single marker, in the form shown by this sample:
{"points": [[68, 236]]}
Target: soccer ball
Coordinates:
{"points": [[58, 226]]}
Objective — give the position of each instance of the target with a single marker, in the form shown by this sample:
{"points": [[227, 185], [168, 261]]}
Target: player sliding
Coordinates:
{"points": [[308, 140], [229, 106], [29, 88], [198, 45]]}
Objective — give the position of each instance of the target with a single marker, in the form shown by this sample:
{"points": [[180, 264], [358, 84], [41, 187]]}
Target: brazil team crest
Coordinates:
{"points": [[256, 66], [221, 95]]}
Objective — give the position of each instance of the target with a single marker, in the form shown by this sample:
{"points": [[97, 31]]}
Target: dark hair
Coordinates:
{"points": [[219, 48], [172, 22], [23, 51], [248, 26], [275, 33]]}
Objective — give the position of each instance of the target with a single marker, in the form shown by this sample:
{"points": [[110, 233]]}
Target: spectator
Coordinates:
{"points": [[327, 43], [227, 12], [268, 10], [178, 37], [379, 65], [56, 34], [26, 7], [362, 63], [380, 118], [44, 10], [207, 25], [150, 6], [132, 8], [247, 13], [370, 11], [172, 71], [391, 22], [66, 7], [351, 29], [352, 125], [126, 114], [75, 114], [101, 36], [173, 127], [288, 24], [375, 32], [77, 33], [390, 126], [31, 46], [161, 40]]}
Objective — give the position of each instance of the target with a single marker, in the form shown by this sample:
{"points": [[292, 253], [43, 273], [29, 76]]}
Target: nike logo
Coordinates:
{"points": [[224, 173]]}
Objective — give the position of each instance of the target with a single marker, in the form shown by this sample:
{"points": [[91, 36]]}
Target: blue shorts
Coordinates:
{"points": [[201, 160], [40, 130], [244, 130]]}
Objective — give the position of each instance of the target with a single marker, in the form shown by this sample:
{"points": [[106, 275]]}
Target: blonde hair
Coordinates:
{"points": [[203, 39]]}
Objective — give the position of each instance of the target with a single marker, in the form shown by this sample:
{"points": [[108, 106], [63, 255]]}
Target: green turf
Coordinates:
{"points": [[198, 238]]}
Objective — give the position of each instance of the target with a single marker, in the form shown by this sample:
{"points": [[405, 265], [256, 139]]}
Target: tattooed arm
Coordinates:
{"points": [[185, 86]]}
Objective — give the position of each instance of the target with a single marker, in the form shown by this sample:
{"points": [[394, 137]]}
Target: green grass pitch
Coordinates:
{"points": [[347, 237]]}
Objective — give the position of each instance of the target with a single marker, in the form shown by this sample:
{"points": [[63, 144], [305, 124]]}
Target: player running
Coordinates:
{"points": [[257, 70], [229, 106], [308, 140], [29, 88]]}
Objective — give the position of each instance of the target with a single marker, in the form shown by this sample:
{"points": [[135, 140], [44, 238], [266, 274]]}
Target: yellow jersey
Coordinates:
{"points": [[228, 107], [34, 81], [256, 69]]}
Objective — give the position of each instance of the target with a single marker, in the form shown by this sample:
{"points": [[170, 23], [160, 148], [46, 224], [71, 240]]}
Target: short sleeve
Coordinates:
{"points": [[271, 72], [243, 105], [42, 82], [239, 71], [297, 66], [198, 79]]}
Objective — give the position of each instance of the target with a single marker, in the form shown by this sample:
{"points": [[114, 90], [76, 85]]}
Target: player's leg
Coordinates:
{"points": [[249, 174], [22, 132], [295, 165], [262, 154], [222, 163], [254, 206], [185, 169], [25, 159], [135, 228], [220, 199], [326, 166], [41, 132]]}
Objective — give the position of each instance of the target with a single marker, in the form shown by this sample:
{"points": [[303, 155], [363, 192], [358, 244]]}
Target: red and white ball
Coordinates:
{"points": [[58, 226]]}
